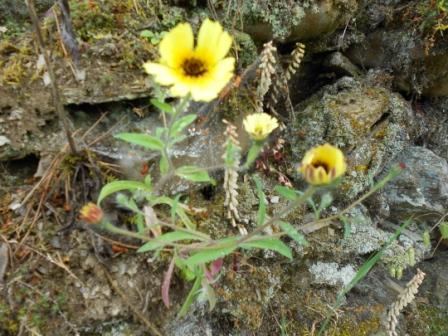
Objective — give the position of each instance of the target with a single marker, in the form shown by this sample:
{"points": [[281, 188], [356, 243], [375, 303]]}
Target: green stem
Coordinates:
{"points": [[318, 224], [191, 295]]}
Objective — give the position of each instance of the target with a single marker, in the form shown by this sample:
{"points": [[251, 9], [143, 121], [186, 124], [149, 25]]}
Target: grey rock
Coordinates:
{"points": [[422, 188], [330, 273], [368, 122], [364, 237]]}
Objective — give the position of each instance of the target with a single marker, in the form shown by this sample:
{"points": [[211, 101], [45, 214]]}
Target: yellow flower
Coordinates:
{"points": [[259, 125], [202, 71], [91, 213], [323, 164]]}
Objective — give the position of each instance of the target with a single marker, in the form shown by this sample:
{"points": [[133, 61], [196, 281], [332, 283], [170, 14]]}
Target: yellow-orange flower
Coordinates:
{"points": [[201, 71], [323, 164], [91, 213], [259, 125]]}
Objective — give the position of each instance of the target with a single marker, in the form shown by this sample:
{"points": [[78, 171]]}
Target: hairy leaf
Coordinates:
{"points": [[115, 186], [269, 243], [144, 140]]}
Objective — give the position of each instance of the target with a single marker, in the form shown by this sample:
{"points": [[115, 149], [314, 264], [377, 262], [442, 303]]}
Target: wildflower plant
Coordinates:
{"points": [[199, 73]]}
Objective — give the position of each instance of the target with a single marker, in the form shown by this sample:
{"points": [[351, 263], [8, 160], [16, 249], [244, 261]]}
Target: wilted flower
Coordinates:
{"points": [[91, 213], [203, 70], [259, 125], [323, 164]]}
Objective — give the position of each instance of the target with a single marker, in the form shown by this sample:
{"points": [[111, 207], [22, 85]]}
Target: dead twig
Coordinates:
{"points": [[54, 86]]}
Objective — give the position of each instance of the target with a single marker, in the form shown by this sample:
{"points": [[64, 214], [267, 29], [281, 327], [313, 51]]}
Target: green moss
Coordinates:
{"points": [[427, 320]]}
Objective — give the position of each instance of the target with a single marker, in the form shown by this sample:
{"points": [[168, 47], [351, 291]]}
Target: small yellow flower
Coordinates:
{"points": [[259, 125], [91, 213], [202, 71], [323, 164]]}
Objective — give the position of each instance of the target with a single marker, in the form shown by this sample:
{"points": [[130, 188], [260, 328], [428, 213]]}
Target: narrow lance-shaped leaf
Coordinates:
{"points": [[288, 193], [292, 232], [166, 284], [162, 106], [179, 211], [164, 164], [144, 140], [193, 173], [166, 239], [115, 186], [222, 249], [180, 124], [253, 153], [191, 295], [269, 243]]}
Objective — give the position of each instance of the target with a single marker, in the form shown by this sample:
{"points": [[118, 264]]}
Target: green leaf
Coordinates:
{"points": [[116, 186], [179, 125], [144, 140], [127, 202], [187, 273], [193, 173], [443, 228], [166, 239], [292, 232], [288, 193], [162, 106], [268, 243], [325, 201], [148, 180], [164, 164], [208, 255], [191, 295], [254, 151], [179, 211], [347, 226], [261, 201], [146, 33]]}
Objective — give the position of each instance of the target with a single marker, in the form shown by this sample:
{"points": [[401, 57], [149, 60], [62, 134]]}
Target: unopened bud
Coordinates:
{"points": [[91, 213]]}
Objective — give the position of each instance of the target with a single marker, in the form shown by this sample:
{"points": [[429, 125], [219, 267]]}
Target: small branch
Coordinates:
{"points": [[54, 86]]}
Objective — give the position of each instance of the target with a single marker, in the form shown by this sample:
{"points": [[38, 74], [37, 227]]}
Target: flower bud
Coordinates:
{"points": [[91, 213], [323, 164]]}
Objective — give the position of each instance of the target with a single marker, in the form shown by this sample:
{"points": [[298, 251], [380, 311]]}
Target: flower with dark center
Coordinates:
{"points": [[202, 70], [323, 164]]}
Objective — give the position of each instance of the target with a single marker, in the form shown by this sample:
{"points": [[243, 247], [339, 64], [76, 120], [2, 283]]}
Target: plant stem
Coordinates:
{"points": [[285, 211], [318, 224], [54, 86]]}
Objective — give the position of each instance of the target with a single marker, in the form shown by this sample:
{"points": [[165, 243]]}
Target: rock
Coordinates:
{"points": [[337, 62], [292, 21], [421, 189], [404, 40], [367, 121], [436, 139], [330, 273], [364, 236]]}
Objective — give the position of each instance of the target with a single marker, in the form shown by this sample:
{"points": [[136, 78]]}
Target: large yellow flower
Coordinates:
{"points": [[202, 71], [323, 164], [259, 125]]}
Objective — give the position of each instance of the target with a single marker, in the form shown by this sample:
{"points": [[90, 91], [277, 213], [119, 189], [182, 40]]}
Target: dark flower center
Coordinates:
{"points": [[193, 67], [324, 165]]}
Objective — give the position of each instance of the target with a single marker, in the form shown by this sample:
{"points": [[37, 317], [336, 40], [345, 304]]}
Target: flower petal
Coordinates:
{"points": [[179, 89], [213, 42], [223, 69], [163, 74], [177, 43]]}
